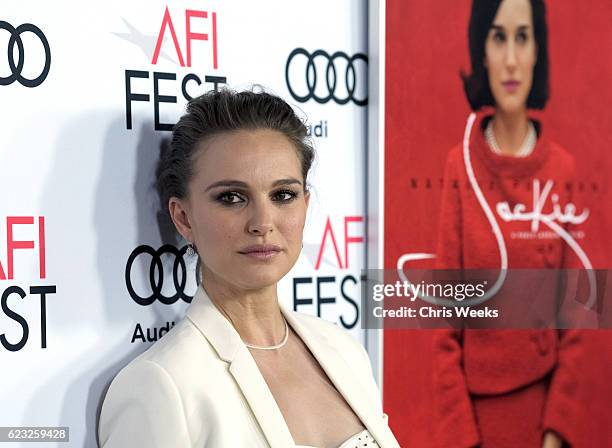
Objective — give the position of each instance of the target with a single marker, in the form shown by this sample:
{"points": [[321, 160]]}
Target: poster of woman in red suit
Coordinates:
{"points": [[511, 197]]}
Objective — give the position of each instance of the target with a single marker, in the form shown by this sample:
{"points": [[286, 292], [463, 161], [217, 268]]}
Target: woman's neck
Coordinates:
{"points": [[255, 314], [510, 130]]}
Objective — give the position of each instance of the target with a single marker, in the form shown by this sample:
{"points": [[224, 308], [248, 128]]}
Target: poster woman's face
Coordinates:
{"points": [[247, 207], [511, 55]]}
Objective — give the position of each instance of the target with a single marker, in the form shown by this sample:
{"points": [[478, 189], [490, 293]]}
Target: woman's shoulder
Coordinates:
{"points": [[147, 396], [561, 158], [324, 327], [180, 343], [168, 357], [157, 387], [453, 164], [347, 346], [455, 154]]}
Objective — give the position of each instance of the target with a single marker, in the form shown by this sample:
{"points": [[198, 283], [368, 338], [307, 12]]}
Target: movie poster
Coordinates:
{"points": [[497, 155]]}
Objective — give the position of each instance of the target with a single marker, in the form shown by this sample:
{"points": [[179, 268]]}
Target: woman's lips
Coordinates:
{"points": [[511, 86], [261, 252]]}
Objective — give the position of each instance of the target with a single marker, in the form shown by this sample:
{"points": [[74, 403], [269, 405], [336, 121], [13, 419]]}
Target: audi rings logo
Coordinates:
{"points": [[16, 67], [327, 77], [156, 275]]}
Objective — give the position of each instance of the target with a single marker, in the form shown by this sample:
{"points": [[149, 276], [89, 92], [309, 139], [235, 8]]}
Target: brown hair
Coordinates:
{"points": [[222, 111]]}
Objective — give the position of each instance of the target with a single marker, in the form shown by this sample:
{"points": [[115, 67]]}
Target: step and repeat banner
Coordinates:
{"points": [[451, 202], [91, 271]]}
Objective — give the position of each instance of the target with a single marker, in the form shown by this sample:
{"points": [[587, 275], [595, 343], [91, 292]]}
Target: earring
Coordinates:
{"points": [[190, 250]]}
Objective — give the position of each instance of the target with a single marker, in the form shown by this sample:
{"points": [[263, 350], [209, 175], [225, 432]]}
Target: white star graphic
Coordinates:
{"points": [[145, 42]]}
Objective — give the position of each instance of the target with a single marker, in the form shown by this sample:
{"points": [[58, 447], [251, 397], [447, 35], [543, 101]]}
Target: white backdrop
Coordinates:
{"points": [[76, 194]]}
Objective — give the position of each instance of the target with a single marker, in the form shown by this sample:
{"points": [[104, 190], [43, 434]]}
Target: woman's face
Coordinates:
{"points": [[511, 55], [246, 207]]}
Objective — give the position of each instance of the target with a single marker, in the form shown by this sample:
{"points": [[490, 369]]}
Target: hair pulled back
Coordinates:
{"points": [[221, 111]]}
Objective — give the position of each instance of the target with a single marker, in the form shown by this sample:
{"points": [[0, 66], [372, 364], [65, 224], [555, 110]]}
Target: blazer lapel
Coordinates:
{"points": [[260, 399], [340, 374], [228, 345], [230, 348]]}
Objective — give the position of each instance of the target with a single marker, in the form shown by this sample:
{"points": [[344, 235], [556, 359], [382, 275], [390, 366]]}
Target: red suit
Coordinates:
{"points": [[504, 388]]}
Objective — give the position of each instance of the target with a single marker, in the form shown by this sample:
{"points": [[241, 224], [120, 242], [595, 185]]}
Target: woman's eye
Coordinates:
{"points": [[499, 37], [284, 196], [522, 37], [230, 198]]}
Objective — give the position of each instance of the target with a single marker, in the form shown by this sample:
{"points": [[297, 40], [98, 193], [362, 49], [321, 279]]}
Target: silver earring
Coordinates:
{"points": [[190, 250]]}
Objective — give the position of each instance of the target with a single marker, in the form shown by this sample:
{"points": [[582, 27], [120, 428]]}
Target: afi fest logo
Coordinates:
{"points": [[185, 48], [17, 59], [340, 237], [18, 314]]}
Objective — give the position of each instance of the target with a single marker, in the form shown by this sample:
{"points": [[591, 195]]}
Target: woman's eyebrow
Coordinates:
{"points": [[288, 181], [496, 27], [227, 183], [240, 184]]}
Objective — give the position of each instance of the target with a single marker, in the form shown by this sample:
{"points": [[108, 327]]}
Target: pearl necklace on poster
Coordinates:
{"points": [[526, 148]]}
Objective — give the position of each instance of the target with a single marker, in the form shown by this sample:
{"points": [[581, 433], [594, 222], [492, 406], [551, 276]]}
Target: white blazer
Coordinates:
{"points": [[199, 386]]}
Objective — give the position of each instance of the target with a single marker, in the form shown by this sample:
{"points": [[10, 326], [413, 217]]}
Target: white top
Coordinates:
{"points": [[360, 440]]}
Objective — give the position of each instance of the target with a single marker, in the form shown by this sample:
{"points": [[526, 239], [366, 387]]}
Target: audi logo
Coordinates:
{"points": [[156, 282], [17, 67], [334, 78]]}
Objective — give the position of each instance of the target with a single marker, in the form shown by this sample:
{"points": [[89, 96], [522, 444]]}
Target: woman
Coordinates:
{"points": [[239, 370], [506, 388]]}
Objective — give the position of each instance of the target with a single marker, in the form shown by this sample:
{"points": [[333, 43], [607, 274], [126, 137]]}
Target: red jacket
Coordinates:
{"points": [[497, 388]]}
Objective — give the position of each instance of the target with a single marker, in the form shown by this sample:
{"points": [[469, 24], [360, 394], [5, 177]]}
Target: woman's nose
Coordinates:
{"points": [[511, 55], [260, 222]]}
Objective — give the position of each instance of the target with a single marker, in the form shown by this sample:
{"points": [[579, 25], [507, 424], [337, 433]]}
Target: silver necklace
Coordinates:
{"points": [[526, 147], [272, 347]]}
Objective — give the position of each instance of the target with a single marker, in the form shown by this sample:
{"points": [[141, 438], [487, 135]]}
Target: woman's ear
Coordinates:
{"points": [[179, 213], [307, 198]]}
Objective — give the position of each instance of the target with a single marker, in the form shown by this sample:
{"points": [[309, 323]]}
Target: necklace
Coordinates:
{"points": [[272, 347], [526, 147]]}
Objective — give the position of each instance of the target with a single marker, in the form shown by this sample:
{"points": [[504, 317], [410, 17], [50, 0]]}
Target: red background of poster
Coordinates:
{"points": [[426, 111]]}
